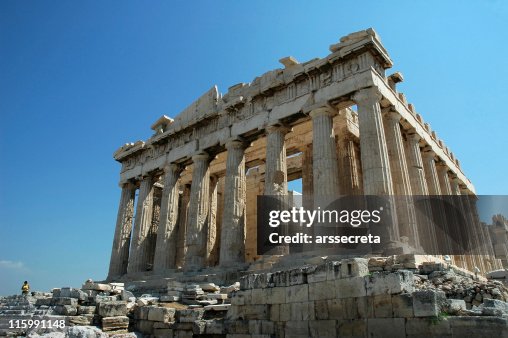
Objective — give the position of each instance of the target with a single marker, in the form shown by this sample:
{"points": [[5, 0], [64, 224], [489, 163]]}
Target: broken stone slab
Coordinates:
{"points": [[65, 310], [112, 309], [189, 315], [218, 307], [161, 314], [115, 323], [455, 306], [70, 293], [209, 287], [96, 286], [84, 310], [167, 298], [126, 295], [84, 332], [218, 296], [230, 288], [82, 320], [65, 301]]}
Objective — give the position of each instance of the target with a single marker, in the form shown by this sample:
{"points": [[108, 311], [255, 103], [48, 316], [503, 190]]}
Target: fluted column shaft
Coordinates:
{"points": [[120, 251], [198, 213], [139, 247], [438, 211], [402, 187], [324, 154], [461, 222], [165, 249], [377, 178], [276, 177], [307, 171], [349, 180], [182, 226], [232, 249], [444, 181], [476, 233], [415, 165]]}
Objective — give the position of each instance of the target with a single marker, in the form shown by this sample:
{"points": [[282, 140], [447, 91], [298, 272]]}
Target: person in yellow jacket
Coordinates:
{"points": [[25, 288]]}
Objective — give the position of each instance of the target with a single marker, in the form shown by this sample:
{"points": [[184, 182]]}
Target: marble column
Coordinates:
{"points": [[444, 181], [307, 172], [324, 154], [349, 178], [211, 257], [276, 177], [122, 239], [461, 224], [377, 177], [419, 188], [401, 183], [438, 211], [476, 233], [165, 249], [198, 212], [138, 261], [182, 226], [232, 248]]}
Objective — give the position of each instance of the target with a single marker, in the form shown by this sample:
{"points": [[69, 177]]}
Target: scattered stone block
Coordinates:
{"points": [[189, 315], [161, 314], [66, 310], [354, 267], [83, 310], [96, 286], [115, 323], [112, 309]]}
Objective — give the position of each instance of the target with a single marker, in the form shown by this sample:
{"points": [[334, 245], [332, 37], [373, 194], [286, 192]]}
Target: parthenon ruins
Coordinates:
{"points": [[337, 123]]}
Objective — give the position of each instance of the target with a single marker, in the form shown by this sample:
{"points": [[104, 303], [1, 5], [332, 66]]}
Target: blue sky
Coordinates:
{"points": [[81, 78]]}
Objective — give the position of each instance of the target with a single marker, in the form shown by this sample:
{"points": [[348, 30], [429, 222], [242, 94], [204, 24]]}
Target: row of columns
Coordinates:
{"points": [[391, 161]]}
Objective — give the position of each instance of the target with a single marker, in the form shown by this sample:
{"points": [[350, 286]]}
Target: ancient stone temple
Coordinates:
{"points": [[338, 123]]}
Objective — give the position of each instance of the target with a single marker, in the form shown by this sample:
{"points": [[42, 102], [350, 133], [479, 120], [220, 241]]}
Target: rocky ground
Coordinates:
{"points": [[209, 310]]}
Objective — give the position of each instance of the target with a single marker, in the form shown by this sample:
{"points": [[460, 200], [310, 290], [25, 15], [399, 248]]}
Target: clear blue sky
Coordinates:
{"points": [[80, 78]]}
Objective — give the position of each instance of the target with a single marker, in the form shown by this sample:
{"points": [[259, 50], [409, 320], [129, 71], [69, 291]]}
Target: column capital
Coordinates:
{"points": [[367, 95], [323, 111], [392, 116], [235, 143], [428, 152], [201, 155], [413, 135], [173, 167], [278, 127], [441, 166]]}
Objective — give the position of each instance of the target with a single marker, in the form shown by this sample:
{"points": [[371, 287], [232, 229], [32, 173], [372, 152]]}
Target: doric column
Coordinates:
{"points": [[182, 226], [377, 178], [402, 187], [122, 239], [165, 250], [415, 164], [138, 260], [444, 181], [211, 257], [476, 234], [349, 178], [276, 177], [461, 223], [198, 213], [232, 248], [324, 158], [438, 211], [307, 172], [419, 188]]}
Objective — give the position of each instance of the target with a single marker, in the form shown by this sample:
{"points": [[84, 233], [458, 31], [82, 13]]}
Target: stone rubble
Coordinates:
{"points": [[402, 295]]}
